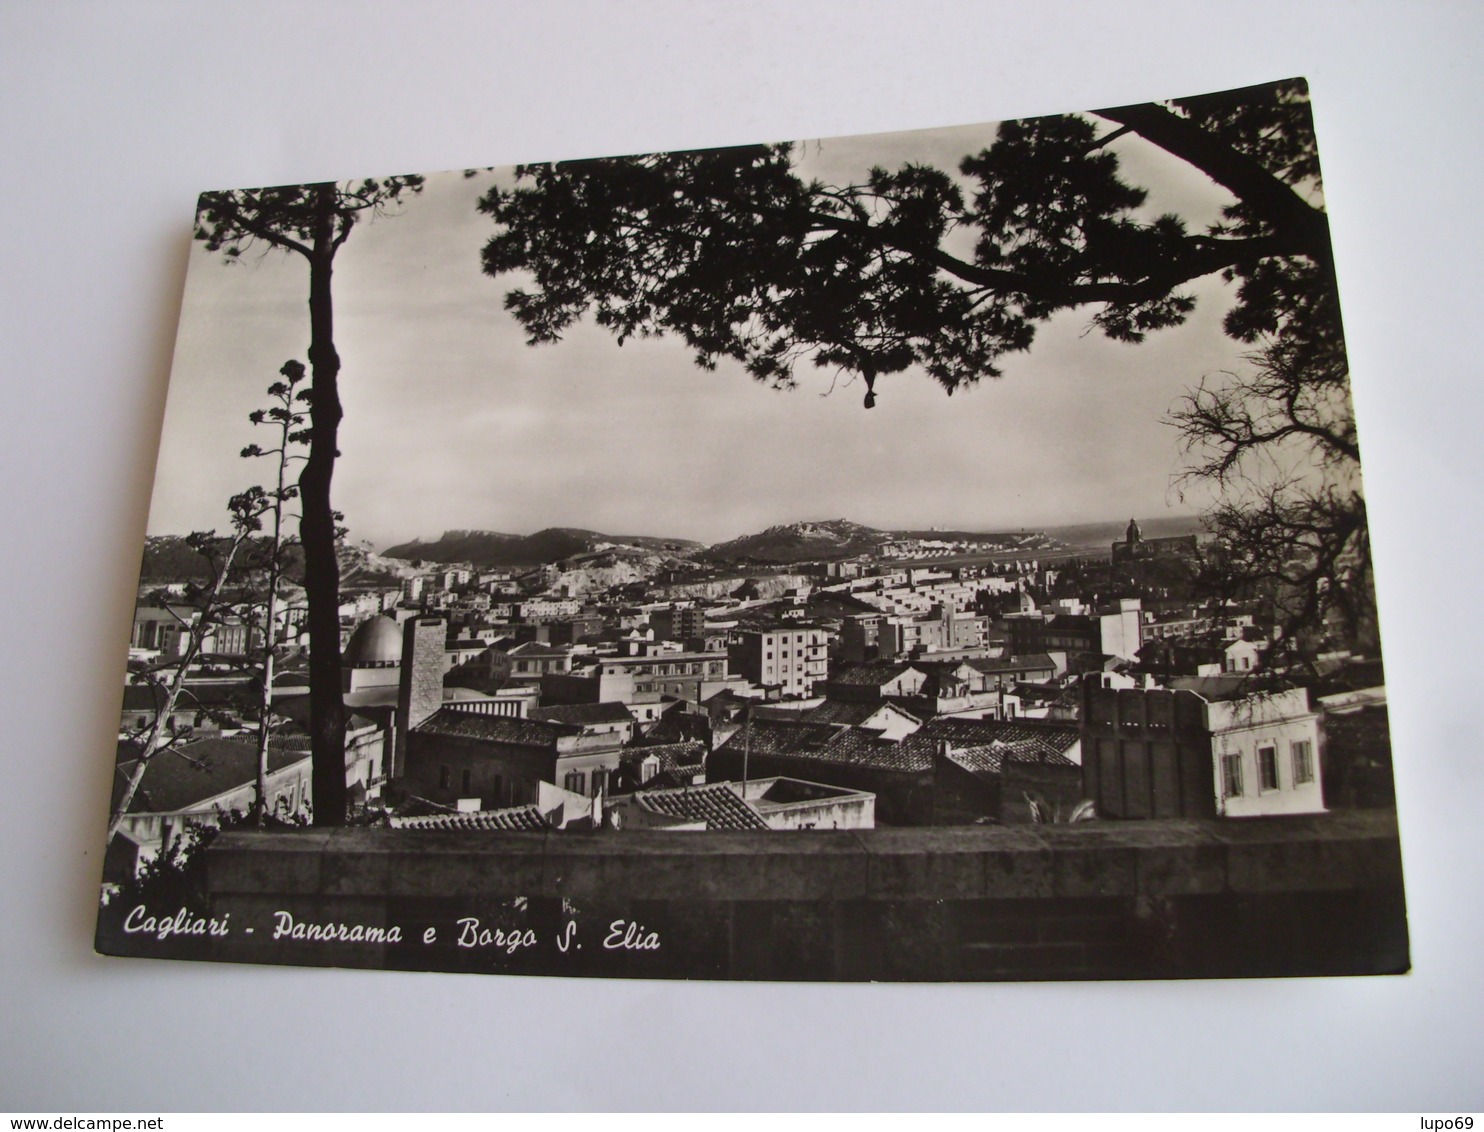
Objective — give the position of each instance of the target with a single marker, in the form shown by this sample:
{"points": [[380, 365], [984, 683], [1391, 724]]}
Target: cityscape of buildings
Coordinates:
{"points": [[902, 686]]}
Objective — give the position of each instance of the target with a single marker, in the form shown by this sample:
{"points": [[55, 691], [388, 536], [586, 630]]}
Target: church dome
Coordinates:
{"points": [[376, 643]]}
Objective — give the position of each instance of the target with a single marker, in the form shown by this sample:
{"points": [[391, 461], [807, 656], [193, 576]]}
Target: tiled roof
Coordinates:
{"points": [[777, 736], [611, 712], [191, 774], [822, 742], [866, 748], [716, 804], [980, 761], [991, 758], [870, 675], [679, 764], [678, 727], [1056, 738], [813, 742], [520, 819], [692, 753], [839, 711], [291, 738], [673, 777], [993, 664], [495, 728]]}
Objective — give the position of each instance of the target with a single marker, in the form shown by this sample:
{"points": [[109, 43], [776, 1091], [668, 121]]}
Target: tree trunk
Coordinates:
{"points": [[270, 618], [265, 708], [317, 531], [265, 696]]}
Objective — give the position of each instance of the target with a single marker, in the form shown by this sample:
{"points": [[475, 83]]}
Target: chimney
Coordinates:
{"points": [[420, 690]]}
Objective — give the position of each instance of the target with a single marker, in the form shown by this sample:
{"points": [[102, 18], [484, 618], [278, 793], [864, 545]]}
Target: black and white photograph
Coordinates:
{"points": [[422, 423], [928, 556]]}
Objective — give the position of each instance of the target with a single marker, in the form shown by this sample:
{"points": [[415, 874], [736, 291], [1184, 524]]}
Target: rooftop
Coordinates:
{"points": [[536, 648], [215, 693], [1228, 686], [851, 713], [188, 776], [450, 721], [717, 804], [991, 759], [607, 712], [1053, 738], [520, 819], [658, 657], [822, 742], [670, 755], [994, 664], [376, 643], [872, 675]]}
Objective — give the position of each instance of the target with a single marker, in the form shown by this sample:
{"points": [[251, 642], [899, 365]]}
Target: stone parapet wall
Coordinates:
{"points": [[1289, 896]]}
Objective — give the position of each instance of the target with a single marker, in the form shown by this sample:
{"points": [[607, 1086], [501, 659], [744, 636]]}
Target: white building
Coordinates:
{"points": [[1207, 746], [1265, 753]]}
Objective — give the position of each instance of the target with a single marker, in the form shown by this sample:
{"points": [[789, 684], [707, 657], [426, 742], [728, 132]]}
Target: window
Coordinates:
{"points": [[445, 777], [576, 782], [1267, 768], [1302, 754], [466, 783], [1231, 776]]}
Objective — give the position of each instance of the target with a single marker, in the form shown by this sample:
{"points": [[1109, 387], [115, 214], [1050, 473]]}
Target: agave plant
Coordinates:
{"points": [[1044, 813]]}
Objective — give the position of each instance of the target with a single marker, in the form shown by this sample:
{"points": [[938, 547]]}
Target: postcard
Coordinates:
{"points": [[930, 556]]}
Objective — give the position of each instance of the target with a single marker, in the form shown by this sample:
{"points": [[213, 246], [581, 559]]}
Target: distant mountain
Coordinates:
{"points": [[490, 548], [171, 558], [776, 546], [799, 542], [362, 568], [1007, 539], [840, 538]]}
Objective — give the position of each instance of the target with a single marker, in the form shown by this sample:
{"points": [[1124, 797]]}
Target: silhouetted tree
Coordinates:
{"points": [[312, 221], [290, 436], [740, 257], [206, 605], [1279, 438]]}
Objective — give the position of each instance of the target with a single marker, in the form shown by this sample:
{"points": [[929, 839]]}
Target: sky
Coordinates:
{"points": [[453, 422]]}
